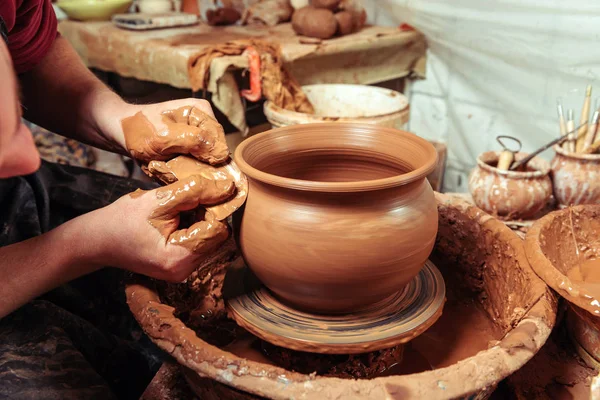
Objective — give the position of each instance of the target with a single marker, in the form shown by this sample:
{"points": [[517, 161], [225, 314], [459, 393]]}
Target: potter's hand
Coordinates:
{"points": [[164, 130], [143, 228]]}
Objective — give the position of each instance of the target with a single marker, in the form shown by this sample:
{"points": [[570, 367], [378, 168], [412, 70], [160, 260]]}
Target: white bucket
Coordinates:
{"points": [[345, 103]]}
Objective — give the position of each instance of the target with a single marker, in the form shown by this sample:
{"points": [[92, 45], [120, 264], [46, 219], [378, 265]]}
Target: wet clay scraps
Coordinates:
{"points": [[278, 85], [180, 131]]}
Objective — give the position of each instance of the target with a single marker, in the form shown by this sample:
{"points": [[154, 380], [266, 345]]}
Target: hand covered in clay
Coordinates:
{"points": [[144, 233], [164, 130]]}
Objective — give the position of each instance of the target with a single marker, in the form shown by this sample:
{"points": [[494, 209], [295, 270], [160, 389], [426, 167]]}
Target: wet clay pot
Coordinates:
{"points": [[485, 258], [338, 216], [556, 246], [510, 194], [575, 178]]}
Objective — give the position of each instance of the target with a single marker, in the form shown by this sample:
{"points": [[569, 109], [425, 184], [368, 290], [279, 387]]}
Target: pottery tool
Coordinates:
{"points": [[392, 321], [561, 118], [591, 132], [140, 21], [569, 145], [557, 141], [583, 121], [507, 156]]}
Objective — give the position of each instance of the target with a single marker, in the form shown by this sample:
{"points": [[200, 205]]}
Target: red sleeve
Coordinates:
{"points": [[32, 28]]}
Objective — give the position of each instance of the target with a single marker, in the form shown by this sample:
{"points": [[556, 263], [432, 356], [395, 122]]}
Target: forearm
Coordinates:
{"points": [[63, 96], [31, 268]]}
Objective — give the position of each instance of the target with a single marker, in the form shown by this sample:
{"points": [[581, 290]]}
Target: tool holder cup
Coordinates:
{"points": [[575, 178]]}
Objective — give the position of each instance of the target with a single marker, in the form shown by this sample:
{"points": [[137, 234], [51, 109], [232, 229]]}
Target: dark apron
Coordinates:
{"points": [[78, 341]]}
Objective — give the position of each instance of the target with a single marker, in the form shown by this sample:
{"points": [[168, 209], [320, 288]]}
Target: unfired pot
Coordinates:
{"points": [[338, 216], [510, 194], [485, 256], [575, 178]]}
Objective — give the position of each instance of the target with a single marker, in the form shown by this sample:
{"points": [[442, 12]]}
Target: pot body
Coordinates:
{"points": [[336, 252], [575, 178], [508, 194]]}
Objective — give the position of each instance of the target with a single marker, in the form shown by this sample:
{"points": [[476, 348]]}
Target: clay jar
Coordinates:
{"points": [[575, 178], [510, 194], [338, 216]]}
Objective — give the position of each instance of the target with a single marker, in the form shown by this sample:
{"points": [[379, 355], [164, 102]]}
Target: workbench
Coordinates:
{"points": [[373, 55]]}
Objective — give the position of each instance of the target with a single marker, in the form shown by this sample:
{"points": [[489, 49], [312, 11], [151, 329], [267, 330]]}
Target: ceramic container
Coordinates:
{"points": [[510, 194], [154, 6], [551, 249], [338, 216], [93, 10], [575, 178], [345, 103]]}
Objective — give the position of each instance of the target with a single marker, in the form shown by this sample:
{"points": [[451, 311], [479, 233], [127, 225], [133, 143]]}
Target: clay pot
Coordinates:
{"points": [[484, 256], [576, 178], [550, 247], [510, 194], [338, 216]]}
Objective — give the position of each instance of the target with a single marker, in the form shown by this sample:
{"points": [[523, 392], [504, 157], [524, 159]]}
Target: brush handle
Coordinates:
{"points": [[506, 158]]}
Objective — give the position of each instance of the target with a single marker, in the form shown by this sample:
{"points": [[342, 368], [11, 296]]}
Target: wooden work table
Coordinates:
{"points": [[375, 54]]}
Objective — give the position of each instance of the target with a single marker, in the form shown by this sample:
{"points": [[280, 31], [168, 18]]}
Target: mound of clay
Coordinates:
{"points": [[323, 19]]}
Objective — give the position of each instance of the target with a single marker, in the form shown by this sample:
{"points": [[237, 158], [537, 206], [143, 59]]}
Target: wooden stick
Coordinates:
{"points": [[561, 118], [593, 148], [570, 143], [506, 158], [585, 117], [591, 133]]}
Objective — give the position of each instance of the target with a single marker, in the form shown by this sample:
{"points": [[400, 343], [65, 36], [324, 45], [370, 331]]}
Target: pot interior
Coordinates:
{"points": [[338, 157], [331, 165]]}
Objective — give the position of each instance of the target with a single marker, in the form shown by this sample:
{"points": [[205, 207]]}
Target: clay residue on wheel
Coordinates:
{"points": [[564, 248], [464, 231], [490, 267]]}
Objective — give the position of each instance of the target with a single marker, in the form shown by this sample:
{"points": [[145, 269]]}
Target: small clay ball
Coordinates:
{"points": [[345, 21], [329, 4], [222, 16], [314, 22]]}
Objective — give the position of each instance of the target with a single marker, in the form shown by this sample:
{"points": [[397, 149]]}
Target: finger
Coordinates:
{"points": [[161, 170], [202, 237], [189, 193], [189, 130]]}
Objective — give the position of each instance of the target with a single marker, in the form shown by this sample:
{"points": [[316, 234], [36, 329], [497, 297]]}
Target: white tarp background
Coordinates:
{"points": [[496, 68]]}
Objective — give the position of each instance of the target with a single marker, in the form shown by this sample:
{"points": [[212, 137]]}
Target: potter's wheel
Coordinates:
{"points": [[395, 320]]}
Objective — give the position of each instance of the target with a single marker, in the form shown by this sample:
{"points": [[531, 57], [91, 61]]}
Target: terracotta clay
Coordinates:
{"points": [[485, 259], [510, 194], [181, 131], [314, 22], [576, 178], [227, 173], [222, 16], [338, 216], [564, 249], [185, 195]]}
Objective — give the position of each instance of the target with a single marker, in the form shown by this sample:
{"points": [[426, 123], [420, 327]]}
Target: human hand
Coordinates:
{"points": [[163, 130], [141, 231]]}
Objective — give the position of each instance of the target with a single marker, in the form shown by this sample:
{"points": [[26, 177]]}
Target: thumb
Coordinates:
{"points": [[202, 237], [189, 193]]}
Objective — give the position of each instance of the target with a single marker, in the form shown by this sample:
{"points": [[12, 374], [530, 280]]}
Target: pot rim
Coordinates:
{"points": [[546, 270], [318, 186], [576, 156], [542, 167]]}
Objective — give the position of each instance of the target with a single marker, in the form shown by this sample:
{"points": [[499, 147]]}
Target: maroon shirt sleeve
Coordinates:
{"points": [[31, 26]]}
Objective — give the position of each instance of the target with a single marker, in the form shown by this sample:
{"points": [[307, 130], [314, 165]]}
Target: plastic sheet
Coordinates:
{"points": [[496, 68]]}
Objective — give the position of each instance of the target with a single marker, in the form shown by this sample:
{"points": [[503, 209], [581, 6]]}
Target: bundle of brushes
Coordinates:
{"points": [[584, 140]]}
